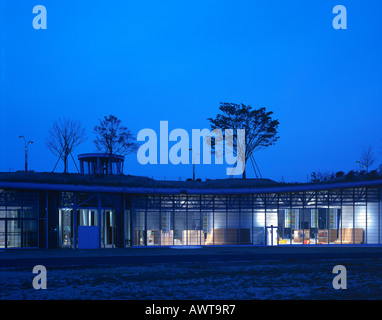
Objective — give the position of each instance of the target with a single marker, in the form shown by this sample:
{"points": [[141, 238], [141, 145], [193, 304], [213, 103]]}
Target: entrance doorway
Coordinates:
{"points": [[86, 217], [272, 236], [108, 229], [66, 228]]}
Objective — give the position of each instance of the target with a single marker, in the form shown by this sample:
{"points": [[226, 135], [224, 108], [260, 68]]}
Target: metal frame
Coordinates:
{"points": [[213, 204]]}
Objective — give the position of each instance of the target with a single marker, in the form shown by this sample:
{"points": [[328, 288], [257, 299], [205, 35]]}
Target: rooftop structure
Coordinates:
{"points": [[101, 163]]}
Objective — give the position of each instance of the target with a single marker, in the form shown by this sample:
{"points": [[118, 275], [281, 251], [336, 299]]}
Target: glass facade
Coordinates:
{"points": [[81, 209], [59, 219], [18, 219], [328, 217]]}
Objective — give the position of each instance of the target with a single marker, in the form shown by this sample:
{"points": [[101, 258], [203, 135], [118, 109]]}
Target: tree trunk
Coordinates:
{"points": [[66, 163]]}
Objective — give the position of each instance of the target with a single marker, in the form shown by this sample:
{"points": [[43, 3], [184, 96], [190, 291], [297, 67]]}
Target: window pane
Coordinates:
{"points": [[14, 233], [30, 233]]}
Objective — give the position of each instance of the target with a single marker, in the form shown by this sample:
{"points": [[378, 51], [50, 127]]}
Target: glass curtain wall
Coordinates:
{"points": [[271, 219], [286, 219], [334, 216], [323, 217], [180, 220], [18, 218], [207, 219], [193, 234], [139, 207], [79, 209], [219, 232], [372, 216], [246, 219], [198, 220], [258, 219]]}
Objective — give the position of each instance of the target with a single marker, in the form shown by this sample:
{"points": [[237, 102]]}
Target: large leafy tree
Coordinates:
{"points": [[112, 138], [64, 136], [260, 128]]}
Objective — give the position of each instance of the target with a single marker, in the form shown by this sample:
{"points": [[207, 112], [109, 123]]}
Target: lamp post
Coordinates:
{"points": [[359, 165], [26, 151]]}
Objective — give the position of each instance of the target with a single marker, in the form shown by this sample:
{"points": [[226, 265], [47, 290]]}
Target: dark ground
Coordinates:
{"points": [[244, 273]]}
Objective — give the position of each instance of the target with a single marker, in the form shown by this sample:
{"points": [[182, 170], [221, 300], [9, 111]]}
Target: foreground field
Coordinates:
{"points": [[290, 279]]}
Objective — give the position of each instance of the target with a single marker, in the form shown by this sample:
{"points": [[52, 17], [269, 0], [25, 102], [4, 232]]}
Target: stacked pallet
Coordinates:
{"points": [[229, 236], [167, 239], [298, 235], [193, 237]]}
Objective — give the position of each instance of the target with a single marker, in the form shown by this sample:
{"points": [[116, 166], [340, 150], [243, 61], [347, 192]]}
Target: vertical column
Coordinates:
{"points": [[353, 215], [82, 166], [131, 219], [160, 221], [21, 222], [38, 222], [316, 216], [379, 215], [201, 232], [5, 219], [122, 220], [366, 190], [328, 216], [239, 235], [290, 219], [74, 220], [187, 233], [213, 219], [278, 219], [226, 218], [339, 232], [265, 218], [253, 219], [99, 215], [173, 218], [303, 217], [47, 220], [145, 228]]}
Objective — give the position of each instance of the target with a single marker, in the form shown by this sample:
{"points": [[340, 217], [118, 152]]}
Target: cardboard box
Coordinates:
{"points": [[322, 236], [229, 236], [350, 236], [167, 239], [298, 235], [193, 237]]}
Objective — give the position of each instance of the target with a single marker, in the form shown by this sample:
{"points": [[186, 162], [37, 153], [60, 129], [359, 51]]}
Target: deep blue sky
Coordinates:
{"points": [[146, 61]]}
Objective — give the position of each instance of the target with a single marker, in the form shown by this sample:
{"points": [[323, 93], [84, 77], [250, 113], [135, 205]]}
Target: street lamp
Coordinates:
{"points": [[360, 166], [26, 151]]}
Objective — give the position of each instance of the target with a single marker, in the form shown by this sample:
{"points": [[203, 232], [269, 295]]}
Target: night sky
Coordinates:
{"points": [[147, 61]]}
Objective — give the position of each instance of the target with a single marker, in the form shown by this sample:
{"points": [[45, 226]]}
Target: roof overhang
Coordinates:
{"points": [[204, 191]]}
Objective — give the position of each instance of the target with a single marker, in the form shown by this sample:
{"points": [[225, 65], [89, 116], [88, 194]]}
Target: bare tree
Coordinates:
{"points": [[112, 138], [368, 158], [64, 136]]}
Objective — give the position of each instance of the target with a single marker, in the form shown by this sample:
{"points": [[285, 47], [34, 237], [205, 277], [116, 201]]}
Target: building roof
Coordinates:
{"points": [[88, 156], [145, 185]]}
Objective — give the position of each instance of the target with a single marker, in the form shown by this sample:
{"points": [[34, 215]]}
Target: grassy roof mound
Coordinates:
{"points": [[77, 179], [129, 181]]}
